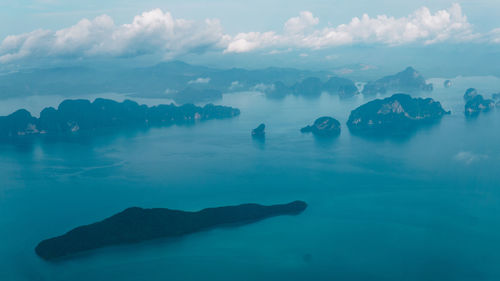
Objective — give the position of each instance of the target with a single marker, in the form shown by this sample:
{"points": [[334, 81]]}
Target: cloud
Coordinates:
{"points": [[421, 26], [151, 32], [158, 32], [300, 24], [200, 81], [468, 157], [495, 35]]}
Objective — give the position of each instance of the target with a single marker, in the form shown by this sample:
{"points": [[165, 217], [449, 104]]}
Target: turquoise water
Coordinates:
{"points": [[423, 208]]}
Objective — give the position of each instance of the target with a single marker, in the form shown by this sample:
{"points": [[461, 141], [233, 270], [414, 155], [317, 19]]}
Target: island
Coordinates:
{"points": [[395, 115], [83, 117], [278, 90], [343, 87], [447, 84], [409, 81], [309, 87], [259, 132], [470, 94], [324, 127], [478, 104], [135, 225]]}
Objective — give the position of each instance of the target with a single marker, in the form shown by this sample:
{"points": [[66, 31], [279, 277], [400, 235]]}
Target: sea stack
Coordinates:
{"points": [[259, 132]]}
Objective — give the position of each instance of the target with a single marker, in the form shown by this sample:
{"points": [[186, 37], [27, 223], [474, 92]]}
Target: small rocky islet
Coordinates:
{"points": [[325, 126], [475, 103], [135, 225], [470, 94], [260, 131]]}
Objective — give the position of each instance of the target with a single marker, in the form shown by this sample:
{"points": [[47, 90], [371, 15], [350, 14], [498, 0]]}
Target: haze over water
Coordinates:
{"points": [[422, 208]]}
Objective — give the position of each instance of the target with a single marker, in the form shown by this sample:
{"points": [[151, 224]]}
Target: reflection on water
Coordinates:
{"points": [[426, 208], [259, 142]]}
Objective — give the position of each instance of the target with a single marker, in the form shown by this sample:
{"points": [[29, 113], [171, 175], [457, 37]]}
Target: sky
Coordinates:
{"points": [[34, 31]]}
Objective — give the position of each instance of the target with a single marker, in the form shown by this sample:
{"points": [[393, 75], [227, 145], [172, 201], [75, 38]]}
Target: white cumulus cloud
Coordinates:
{"points": [[300, 24], [158, 32], [422, 26], [151, 32]]}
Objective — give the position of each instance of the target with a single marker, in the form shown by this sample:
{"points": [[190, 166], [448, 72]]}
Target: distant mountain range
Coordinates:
{"points": [[161, 80], [186, 83]]}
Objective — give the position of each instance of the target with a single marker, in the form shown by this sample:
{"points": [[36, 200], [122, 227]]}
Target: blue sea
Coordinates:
{"points": [[426, 207]]}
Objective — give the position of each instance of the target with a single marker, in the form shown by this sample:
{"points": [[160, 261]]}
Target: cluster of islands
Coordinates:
{"points": [[398, 114]]}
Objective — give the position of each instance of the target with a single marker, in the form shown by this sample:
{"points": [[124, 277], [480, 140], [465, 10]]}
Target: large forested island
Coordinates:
{"points": [[76, 116], [134, 225], [395, 115]]}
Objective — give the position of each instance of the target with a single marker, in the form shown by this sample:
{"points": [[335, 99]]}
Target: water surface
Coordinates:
{"points": [[422, 208]]}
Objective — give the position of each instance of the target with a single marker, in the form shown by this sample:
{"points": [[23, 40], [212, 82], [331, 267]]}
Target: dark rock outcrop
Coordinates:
{"points": [[470, 94], [478, 104], [409, 81], [259, 132], [76, 116], [396, 115], [324, 127], [134, 225], [447, 84]]}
